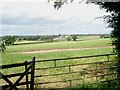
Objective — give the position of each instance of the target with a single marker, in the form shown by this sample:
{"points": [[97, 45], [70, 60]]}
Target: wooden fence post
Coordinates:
{"points": [[108, 58], [32, 74], [27, 85]]}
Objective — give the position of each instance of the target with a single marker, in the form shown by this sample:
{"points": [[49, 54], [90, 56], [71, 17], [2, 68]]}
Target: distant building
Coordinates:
{"points": [[60, 38]]}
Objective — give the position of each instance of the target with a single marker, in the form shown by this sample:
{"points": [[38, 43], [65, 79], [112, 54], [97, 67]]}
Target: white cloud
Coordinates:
{"points": [[42, 18], [17, 1], [82, 11]]}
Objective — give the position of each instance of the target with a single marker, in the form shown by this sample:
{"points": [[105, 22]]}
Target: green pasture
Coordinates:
{"points": [[25, 41], [58, 45], [87, 37], [11, 55]]}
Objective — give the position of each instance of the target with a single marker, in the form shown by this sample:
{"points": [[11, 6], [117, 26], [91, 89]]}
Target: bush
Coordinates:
{"points": [[9, 40], [2, 46], [74, 37], [68, 39]]}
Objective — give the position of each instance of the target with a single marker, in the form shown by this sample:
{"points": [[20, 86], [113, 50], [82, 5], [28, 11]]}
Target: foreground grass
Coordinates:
{"points": [[100, 86]]}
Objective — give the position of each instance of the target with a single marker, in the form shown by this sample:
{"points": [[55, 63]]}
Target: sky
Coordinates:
{"points": [[37, 17]]}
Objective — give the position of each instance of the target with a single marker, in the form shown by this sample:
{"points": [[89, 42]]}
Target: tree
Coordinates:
{"points": [[74, 37], [113, 20], [2, 46], [68, 38], [9, 40], [105, 36]]}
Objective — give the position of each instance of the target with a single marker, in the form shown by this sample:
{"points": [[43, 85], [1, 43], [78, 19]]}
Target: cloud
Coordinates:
{"points": [[71, 26], [41, 18], [12, 20]]}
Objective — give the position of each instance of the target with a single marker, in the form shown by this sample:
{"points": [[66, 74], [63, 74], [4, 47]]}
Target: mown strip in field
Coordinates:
{"points": [[57, 50]]}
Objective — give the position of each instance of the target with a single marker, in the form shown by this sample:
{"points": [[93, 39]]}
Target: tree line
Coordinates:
{"points": [[10, 40]]}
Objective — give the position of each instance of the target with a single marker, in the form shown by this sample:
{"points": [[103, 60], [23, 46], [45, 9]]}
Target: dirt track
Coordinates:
{"points": [[56, 50]]}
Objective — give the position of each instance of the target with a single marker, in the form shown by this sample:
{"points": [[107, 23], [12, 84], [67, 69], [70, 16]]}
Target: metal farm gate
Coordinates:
{"points": [[69, 72], [28, 70]]}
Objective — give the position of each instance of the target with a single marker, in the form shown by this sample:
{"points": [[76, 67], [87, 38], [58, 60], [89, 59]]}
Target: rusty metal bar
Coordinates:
{"points": [[71, 79], [75, 72], [71, 65], [58, 81], [64, 73], [75, 57], [65, 80]]}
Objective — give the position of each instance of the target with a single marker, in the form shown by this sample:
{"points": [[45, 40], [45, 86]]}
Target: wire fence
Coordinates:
{"points": [[73, 71], [64, 72]]}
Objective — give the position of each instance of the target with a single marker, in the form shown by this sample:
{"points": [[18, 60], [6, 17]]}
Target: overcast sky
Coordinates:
{"points": [[35, 17]]}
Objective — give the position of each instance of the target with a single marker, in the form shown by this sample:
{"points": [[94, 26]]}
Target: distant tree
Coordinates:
{"points": [[105, 36], [2, 46], [74, 37], [59, 35], [47, 37], [68, 39], [9, 40]]}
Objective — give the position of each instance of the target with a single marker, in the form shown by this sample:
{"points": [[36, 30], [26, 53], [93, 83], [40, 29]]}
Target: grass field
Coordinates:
{"points": [[12, 55]]}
